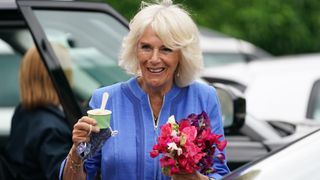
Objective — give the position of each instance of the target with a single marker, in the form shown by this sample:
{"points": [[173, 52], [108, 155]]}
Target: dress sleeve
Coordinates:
{"points": [[214, 110], [92, 166]]}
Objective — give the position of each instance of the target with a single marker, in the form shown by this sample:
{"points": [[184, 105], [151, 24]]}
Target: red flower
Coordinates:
{"points": [[183, 124], [167, 161], [154, 153], [221, 145], [190, 133], [166, 130], [188, 146]]}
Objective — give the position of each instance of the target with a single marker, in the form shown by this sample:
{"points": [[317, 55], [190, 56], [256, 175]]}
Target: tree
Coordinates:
{"points": [[280, 27]]}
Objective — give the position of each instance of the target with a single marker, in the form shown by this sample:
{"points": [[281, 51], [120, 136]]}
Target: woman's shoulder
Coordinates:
{"points": [[202, 87], [203, 91], [110, 89], [40, 118], [114, 88], [51, 117]]}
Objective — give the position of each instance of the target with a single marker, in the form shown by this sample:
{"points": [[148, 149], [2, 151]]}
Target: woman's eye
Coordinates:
{"points": [[146, 47], [167, 50]]}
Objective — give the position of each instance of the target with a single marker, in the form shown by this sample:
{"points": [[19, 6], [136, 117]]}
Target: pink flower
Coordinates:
{"points": [[221, 145], [167, 161], [188, 146], [174, 170], [183, 124], [166, 130], [154, 153], [190, 132]]}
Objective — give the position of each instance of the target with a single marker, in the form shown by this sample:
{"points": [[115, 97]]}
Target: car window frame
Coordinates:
{"points": [[67, 97]]}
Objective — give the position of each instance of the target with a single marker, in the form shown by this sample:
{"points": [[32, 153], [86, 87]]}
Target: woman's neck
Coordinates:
{"points": [[156, 103], [156, 96], [154, 91]]}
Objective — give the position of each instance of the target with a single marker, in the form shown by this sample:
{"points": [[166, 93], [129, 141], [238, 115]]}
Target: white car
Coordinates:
{"points": [[285, 88], [299, 160], [282, 93], [219, 49]]}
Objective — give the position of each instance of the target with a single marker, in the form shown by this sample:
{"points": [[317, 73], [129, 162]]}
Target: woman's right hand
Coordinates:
{"points": [[82, 130], [81, 133]]}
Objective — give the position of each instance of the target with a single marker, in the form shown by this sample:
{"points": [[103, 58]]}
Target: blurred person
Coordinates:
{"points": [[40, 136], [162, 50]]}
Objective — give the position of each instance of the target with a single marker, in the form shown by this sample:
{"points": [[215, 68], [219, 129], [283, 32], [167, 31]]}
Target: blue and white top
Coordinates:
{"points": [[126, 156]]}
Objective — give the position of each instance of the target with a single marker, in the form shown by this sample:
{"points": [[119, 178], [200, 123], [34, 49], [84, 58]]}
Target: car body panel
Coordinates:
{"points": [[299, 160], [257, 138]]}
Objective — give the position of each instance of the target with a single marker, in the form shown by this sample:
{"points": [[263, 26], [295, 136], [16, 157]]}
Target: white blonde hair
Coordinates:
{"points": [[175, 28]]}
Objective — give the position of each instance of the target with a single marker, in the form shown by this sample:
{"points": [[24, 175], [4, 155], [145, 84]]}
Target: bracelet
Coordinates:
{"points": [[75, 166]]}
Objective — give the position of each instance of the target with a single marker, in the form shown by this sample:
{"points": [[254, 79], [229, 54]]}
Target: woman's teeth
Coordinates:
{"points": [[155, 70]]}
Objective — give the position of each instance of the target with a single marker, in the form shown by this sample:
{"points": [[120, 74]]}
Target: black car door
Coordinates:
{"points": [[79, 43]]}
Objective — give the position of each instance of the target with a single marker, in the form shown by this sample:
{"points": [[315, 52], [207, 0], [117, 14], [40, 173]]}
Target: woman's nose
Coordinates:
{"points": [[155, 55]]}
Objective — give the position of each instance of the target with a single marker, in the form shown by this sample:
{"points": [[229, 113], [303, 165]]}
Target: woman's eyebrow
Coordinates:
{"points": [[144, 43]]}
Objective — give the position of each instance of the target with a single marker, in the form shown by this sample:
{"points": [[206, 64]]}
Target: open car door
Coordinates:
{"points": [[79, 44]]}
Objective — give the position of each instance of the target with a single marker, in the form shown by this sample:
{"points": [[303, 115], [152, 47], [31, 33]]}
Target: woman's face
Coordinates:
{"points": [[158, 63]]}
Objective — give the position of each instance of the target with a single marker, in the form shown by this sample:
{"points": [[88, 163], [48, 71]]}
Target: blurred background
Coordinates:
{"points": [[279, 27], [258, 47]]}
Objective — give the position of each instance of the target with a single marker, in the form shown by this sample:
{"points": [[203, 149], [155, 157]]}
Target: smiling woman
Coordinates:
{"points": [[157, 63], [180, 34]]}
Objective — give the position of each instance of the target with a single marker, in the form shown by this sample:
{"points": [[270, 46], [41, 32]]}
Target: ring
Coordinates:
{"points": [[90, 129]]}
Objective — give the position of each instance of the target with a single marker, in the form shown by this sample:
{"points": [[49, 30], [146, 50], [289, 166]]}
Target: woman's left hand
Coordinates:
{"points": [[192, 176]]}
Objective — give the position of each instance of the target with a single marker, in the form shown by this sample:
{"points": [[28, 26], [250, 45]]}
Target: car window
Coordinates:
{"points": [[9, 64], [316, 112], [13, 41], [92, 41], [313, 111]]}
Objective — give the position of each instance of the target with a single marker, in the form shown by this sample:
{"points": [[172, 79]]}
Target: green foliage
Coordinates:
{"points": [[128, 8], [280, 27]]}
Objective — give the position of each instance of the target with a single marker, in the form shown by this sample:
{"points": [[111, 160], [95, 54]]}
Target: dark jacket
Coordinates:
{"points": [[39, 141]]}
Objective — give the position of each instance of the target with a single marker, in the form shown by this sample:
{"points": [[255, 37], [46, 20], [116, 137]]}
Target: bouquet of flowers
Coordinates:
{"points": [[188, 146]]}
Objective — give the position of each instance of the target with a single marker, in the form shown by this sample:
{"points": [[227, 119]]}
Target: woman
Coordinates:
{"points": [[40, 136], [162, 51]]}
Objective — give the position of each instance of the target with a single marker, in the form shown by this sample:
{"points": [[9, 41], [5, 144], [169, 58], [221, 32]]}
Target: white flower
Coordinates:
{"points": [[172, 146], [172, 120], [174, 133], [173, 123]]}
